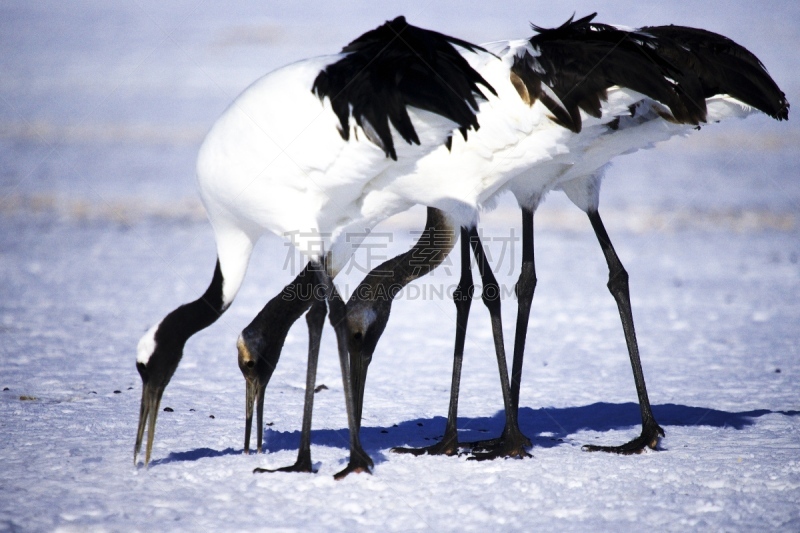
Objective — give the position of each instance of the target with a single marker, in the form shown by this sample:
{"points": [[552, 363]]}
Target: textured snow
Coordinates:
{"points": [[102, 109]]}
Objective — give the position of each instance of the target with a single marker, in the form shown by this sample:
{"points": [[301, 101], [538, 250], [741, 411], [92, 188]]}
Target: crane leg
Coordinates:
{"points": [[315, 318], [512, 442], [462, 297], [526, 285], [261, 342], [618, 286], [360, 461]]}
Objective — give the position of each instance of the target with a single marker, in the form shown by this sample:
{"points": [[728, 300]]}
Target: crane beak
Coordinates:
{"points": [[257, 373], [148, 412], [358, 378], [254, 396], [249, 400]]}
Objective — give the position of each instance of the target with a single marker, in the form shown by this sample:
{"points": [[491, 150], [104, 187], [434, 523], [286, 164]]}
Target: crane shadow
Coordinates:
{"points": [[547, 427], [196, 454]]}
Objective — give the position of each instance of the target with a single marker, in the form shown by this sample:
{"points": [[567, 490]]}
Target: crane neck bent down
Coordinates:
{"points": [[430, 250], [170, 335]]}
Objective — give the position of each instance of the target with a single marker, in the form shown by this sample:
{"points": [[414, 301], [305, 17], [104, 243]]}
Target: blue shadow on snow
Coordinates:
{"points": [[547, 427], [544, 426], [199, 453]]}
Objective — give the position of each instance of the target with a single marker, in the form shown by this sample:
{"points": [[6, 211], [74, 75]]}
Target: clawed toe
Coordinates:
{"points": [[513, 445], [504, 451], [447, 446], [409, 451], [648, 439], [482, 445], [356, 467], [300, 467]]}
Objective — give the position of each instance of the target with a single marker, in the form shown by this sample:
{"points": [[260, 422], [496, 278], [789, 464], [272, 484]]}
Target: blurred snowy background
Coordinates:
{"points": [[103, 106]]}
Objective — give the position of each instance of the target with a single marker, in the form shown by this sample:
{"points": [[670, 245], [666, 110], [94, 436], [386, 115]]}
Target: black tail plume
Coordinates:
{"points": [[723, 67]]}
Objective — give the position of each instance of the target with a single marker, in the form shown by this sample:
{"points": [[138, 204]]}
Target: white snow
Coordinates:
{"points": [[102, 109]]}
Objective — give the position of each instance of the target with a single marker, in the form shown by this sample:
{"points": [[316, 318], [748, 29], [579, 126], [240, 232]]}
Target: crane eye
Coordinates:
{"points": [[357, 335]]}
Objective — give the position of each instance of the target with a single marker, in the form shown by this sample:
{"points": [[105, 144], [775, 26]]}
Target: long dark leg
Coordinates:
{"points": [[512, 443], [315, 318], [359, 460], [618, 286], [462, 297], [526, 285]]}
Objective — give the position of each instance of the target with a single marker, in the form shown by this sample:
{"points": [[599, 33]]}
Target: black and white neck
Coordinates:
{"points": [[161, 349]]}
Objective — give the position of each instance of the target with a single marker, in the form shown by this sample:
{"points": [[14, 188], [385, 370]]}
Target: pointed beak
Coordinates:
{"points": [[260, 415], [358, 377], [148, 412], [257, 373], [254, 396], [249, 400]]}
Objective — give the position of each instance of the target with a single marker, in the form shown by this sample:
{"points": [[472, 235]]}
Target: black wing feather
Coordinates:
{"points": [[395, 66], [580, 60], [677, 66], [723, 67]]}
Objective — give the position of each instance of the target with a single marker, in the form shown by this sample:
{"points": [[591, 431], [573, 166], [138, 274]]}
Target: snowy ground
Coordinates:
{"points": [[102, 108]]}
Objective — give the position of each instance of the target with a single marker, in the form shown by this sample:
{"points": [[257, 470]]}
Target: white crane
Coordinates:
{"points": [[610, 91], [293, 155], [714, 78]]}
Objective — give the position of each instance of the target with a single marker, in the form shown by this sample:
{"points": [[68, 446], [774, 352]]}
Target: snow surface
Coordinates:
{"points": [[102, 108]]}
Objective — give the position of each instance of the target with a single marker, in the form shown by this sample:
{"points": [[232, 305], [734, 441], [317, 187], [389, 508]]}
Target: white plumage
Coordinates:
{"points": [[275, 161], [525, 150], [293, 155], [320, 166]]}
